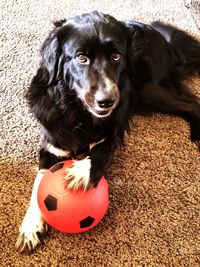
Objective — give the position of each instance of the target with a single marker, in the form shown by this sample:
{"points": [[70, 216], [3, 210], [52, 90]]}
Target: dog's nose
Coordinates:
{"points": [[106, 103]]}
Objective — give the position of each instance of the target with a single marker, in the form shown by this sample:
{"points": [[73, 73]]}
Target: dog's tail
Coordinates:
{"points": [[187, 49]]}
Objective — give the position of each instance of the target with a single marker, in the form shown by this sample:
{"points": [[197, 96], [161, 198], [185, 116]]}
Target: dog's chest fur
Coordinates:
{"points": [[76, 132]]}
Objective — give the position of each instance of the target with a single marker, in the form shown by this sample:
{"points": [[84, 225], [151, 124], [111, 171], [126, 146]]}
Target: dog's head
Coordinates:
{"points": [[88, 52]]}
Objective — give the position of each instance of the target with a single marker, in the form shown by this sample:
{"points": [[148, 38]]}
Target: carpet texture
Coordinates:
{"points": [[194, 6], [154, 181]]}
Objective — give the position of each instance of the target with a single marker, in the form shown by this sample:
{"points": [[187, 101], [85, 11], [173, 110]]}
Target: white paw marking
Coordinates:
{"points": [[33, 221], [78, 176]]}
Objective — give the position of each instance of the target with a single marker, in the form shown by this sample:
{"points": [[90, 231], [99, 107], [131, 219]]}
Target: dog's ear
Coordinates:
{"points": [[51, 53], [50, 56]]}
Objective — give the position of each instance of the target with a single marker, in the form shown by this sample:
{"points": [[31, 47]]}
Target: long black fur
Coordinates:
{"points": [[155, 62]]}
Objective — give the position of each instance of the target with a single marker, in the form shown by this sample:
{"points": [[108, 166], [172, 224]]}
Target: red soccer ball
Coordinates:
{"points": [[70, 211]]}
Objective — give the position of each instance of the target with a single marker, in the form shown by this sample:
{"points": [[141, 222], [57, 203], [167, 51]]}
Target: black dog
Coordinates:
{"points": [[95, 74]]}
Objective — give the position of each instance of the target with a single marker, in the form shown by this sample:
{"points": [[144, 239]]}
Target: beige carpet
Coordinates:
{"points": [[194, 6], [154, 214]]}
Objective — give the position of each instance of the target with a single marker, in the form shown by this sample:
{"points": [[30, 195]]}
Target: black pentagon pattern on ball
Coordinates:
{"points": [[50, 203], [57, 167], [86, 222]]}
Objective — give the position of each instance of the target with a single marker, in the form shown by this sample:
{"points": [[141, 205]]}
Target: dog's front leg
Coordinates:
{"points": [[33, 224]]}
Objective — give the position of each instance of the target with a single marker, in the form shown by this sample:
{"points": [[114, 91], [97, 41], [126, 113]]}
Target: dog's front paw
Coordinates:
{"points": [[31, 231], [78, 175]]}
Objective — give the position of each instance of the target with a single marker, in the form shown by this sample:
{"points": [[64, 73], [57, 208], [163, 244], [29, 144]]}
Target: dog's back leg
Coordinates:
{"points": [[169, 100]]}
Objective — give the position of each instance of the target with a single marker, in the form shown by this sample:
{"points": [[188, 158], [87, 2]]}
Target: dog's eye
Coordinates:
{"points": [[116, 57], [83, 59]]}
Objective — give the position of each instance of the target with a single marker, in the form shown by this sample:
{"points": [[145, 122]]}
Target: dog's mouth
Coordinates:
{"points": [[100, 113], [103, 113]]}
